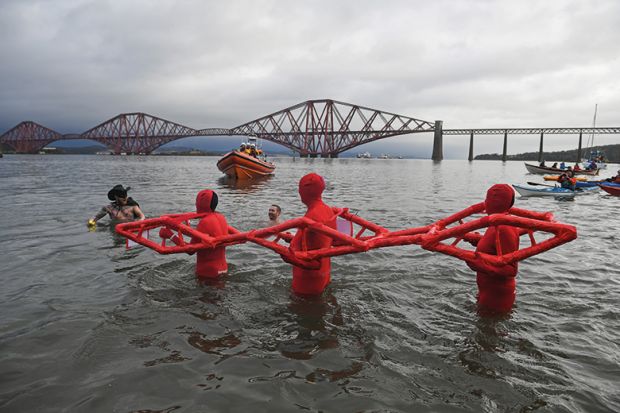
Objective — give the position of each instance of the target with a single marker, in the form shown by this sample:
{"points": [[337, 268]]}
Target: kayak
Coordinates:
{"points": [[588, 184], [548, 191], [612, 189], [596, 183], [541, 170], [555, 178], [582, 182], [240, 165]]}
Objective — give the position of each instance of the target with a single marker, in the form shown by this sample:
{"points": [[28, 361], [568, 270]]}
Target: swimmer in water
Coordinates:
{"points": [[274, 214], [122, 209]]}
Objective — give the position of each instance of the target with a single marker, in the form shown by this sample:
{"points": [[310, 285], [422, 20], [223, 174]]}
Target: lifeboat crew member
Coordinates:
{"points": [[242, 148], [253, 151], [123, 209], [313, 282], [210, 263], [496, 284]]}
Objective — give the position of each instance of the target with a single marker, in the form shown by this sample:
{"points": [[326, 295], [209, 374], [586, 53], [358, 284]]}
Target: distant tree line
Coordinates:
{"points": [[612, 155]]}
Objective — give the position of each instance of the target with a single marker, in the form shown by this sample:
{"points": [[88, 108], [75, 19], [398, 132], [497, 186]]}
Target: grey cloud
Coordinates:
{"points": [[72, 64]]}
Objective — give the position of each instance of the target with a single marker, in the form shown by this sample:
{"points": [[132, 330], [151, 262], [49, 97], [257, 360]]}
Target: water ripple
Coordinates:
{"points": [[89, 326]]}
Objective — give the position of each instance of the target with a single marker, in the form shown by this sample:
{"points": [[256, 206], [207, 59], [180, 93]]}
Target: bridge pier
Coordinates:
{"points": [[540, 150], [579, 149], [438, 141], [504, 154], [471, 147]]}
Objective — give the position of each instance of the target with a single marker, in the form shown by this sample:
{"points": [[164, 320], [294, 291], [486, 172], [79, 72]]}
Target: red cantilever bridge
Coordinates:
{"points": [[313, 128]]}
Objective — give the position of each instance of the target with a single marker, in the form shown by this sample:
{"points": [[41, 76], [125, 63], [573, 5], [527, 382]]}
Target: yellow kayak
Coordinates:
{"points": [[555, 178]]}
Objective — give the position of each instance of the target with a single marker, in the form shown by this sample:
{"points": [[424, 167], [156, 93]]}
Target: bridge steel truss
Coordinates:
{"points": [[137, 133], [327, 127], [313, 128], [531, 131], [29, 137]]}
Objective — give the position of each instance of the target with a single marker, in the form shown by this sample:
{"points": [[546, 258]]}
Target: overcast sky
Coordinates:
{"points": [[71, 64]]}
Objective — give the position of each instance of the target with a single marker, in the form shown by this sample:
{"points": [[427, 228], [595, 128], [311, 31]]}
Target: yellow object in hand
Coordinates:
{"points": [[92, 223]]}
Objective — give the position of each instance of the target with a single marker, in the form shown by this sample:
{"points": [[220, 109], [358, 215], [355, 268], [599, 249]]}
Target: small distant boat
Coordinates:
{"points": [[542, 170], [364, 155], [596, 156], [240, 165], [548, 191]]}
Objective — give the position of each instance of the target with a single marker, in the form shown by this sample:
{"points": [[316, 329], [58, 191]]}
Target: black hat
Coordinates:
{"points": [[119, 191]]}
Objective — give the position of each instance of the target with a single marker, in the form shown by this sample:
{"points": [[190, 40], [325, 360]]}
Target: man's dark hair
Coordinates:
{"points": [[277, 207]]}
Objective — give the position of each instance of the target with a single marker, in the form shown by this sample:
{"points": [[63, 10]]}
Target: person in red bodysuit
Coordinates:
{"points": [[210, 263], [496, 284], [313, 282]]}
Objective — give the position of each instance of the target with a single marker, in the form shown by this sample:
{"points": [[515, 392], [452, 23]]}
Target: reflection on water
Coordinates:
{"points": [[245, 185], [214, 346], [312, 327], [90, 326]]}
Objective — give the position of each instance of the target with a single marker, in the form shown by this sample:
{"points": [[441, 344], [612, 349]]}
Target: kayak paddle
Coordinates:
{"points": [[535, 183]]}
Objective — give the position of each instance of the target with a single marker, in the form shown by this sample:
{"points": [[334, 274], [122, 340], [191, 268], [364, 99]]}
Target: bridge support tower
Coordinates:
{"points": [[540, 149], [438, 141]]}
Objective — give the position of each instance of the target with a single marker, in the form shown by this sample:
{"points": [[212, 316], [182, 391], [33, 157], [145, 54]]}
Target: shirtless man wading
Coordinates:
{"points": [[123, 209]]}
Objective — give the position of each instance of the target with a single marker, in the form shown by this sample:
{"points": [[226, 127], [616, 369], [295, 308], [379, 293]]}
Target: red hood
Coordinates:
{"points": [[500, 197], [311, 187], [206, 201]]}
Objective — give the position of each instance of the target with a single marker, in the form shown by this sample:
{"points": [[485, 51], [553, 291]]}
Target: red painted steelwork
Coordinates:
{"points": [[137, 133], [29, 137], [327, 127], [313, 128]]}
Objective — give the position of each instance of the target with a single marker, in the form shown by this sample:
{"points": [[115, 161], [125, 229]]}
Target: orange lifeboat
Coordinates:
{"points": [[240, 165]]}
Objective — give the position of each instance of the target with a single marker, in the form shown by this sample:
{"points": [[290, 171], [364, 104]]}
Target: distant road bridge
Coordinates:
{"points": [[523, 131], [313, 128]]}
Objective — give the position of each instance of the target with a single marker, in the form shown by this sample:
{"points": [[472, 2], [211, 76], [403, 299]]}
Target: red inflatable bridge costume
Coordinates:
{"points": [[326, 232]]}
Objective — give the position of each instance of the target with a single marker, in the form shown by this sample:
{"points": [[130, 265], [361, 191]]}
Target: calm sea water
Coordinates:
{"points": [[90, 327]]}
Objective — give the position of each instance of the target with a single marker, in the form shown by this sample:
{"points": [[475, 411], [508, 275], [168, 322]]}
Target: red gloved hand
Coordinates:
{"points": [[166, 232]]}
